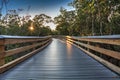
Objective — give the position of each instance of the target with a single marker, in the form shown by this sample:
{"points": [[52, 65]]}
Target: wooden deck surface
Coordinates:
{"points": [[60, 61]]}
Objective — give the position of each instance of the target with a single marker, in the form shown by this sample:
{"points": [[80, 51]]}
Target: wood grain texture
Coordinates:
{"points": [[24, 48], [14, 41], [104, 62], [99, 40], [60, 61], [18, 60], [2, 52], [107, 52]]}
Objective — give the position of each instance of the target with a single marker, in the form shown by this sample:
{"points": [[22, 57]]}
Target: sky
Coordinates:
{"points": [[48, 7]]}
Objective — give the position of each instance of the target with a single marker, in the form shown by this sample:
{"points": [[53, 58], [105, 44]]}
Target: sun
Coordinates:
{"points": [[31, 28]]}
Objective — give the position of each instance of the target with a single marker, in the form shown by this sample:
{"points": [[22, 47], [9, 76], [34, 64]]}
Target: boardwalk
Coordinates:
{"points": [[59, 61]]}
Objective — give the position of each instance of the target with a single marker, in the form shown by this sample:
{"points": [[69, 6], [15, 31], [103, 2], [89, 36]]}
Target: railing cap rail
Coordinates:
{"points": [[100, 37], [20, 37]]}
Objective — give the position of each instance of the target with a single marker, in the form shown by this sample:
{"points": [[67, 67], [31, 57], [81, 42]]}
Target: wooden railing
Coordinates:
{"points": [[27, 46], [105, 49]]}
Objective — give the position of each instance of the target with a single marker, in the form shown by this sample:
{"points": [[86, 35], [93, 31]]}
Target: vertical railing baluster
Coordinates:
{"points": [[88, 44]]}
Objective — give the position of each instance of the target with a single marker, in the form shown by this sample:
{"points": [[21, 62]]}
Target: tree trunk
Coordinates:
{"points": [[93, 25], [101, 32]]}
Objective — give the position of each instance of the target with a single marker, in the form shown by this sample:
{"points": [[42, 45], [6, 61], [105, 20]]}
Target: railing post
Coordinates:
{"points": [[100, 55], [88, 44], [2, 52]]}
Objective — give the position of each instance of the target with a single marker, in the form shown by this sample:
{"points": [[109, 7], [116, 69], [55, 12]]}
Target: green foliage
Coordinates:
{"points": [[64, 21], [14, 26], [44, 31], [2, 30], [90, 17], [63, 28]]}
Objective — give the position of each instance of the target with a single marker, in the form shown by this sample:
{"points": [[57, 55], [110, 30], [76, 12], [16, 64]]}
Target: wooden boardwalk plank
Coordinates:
{"points": [[60, 61]]}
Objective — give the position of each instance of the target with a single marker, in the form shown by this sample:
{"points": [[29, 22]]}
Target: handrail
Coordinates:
{"points": [[33, 44], [95, 47]]}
